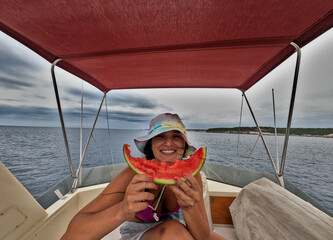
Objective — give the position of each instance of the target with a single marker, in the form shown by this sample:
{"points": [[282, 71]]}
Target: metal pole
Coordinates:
{"points": [[107, 120], [81, 127], [264, 142], [275, 131], [86, 147], [291, 108], [61, 116]]}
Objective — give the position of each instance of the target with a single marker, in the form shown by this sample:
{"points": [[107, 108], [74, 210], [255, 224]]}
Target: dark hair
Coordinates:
{"points": [[149, 152]]}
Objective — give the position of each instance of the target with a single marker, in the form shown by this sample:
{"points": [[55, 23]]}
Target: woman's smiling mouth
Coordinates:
{"points": [[168, 151]]}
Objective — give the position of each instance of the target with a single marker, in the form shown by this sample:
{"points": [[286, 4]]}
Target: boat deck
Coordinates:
{"points": [[37, 223], [24, 218]]}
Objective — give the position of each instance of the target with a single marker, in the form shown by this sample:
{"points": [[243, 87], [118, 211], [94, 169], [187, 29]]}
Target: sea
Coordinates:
{"points": [[37, 155]]}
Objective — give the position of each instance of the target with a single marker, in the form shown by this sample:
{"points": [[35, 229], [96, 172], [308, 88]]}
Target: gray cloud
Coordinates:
{"points": [[88, 96], [40, 97], [11, 100], [130, 116], [116, 99], [13, 64], [130, 100], [11, 83], [126, 116], [15, 71], [27, 113]]}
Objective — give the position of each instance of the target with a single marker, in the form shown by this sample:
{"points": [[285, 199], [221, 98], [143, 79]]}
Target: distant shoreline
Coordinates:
{"points": [[304, 132]]}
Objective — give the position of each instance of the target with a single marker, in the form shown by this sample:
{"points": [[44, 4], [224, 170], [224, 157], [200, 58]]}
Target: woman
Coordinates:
{"points": [[147, 210]]}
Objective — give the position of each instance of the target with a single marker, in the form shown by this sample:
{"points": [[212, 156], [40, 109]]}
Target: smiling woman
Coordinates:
{"points": [[143, 208], [166, 139], [168, 146], [177, 150]]}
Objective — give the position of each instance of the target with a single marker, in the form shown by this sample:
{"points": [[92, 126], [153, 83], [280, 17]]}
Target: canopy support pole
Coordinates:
{"points": [[108, 124], [61, 116], [280, 180], [291, 107], [275, 133], [76, 178], [81, 125]]}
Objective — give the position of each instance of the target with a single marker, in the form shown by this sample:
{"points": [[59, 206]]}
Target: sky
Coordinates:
{"points": [[27, 97]]}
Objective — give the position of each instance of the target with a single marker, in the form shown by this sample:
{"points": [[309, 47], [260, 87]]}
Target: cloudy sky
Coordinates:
{"points": [[27, 96]]}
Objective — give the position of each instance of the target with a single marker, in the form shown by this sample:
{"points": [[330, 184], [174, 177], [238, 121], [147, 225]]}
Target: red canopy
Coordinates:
{"points": [[157, 44]]}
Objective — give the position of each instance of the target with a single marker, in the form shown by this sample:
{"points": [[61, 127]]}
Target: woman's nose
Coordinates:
{"points": [[168, 141]]}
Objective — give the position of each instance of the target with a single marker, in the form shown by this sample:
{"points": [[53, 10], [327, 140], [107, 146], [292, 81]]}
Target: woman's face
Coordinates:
{"points": [[168, 146]]}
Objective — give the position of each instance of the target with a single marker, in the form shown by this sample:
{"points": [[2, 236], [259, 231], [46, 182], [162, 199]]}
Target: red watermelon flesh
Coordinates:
{"points": [[162, 172]]}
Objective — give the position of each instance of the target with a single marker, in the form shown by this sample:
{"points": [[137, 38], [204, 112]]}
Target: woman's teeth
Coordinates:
{"points": [[167, 151]]}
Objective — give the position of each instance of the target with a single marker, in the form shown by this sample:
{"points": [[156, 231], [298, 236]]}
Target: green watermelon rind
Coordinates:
{"points": [[166, 181]]}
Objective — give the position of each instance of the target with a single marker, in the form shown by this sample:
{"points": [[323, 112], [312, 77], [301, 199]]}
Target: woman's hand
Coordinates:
{"points": [[135, 198], [187, 193]]}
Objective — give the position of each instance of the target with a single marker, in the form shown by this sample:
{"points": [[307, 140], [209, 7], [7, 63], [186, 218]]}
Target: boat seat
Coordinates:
{"points": [[265, 210], [19, 211]]}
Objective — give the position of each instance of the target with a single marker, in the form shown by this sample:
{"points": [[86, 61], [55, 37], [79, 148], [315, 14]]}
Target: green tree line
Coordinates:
{"points": [[293, 131]]}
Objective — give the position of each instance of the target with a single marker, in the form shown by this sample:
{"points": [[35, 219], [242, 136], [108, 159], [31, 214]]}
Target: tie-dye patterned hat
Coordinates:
{"points": [[163, 123]]}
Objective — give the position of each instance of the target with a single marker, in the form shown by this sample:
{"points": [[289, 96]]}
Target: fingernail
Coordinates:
{"points": [[167, 186], [185, 174], [176, 178], [151, 178], [156, 186]]}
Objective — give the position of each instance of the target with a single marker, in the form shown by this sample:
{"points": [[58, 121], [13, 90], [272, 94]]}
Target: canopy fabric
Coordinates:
{"points": [[127, 44]]}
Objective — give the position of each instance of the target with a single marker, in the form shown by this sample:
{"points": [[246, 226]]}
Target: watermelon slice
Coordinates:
{"points": [[163, 172]]}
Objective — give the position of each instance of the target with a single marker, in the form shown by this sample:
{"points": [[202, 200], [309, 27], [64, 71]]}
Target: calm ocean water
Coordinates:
{"points": [[37, 156]]}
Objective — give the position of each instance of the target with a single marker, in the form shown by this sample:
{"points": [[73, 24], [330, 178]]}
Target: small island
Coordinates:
{"points": [[310, 132]]}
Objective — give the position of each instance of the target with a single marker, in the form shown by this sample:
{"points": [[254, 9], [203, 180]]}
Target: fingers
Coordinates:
{"points": [[131, 208], [140, 182], [138, 178], [137, 202], [135, 196], [141, 186], [140, 197], [190, 185], [183, 200], [193, 182], [187, 192]]}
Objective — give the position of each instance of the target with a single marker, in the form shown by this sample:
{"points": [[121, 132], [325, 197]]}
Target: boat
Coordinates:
{"points": [[162, 44]]}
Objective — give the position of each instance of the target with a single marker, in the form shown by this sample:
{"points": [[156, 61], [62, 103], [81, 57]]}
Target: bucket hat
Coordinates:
{"points": [[163, 123]]}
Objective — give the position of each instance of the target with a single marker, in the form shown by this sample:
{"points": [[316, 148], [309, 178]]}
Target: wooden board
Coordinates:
{"points": [[220, 209]]}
